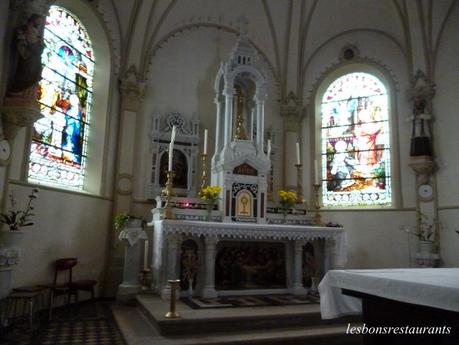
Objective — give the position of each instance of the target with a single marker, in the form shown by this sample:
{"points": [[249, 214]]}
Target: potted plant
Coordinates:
{"points": [[425, 234], [210, 195], [16, 219], [287, 200]]}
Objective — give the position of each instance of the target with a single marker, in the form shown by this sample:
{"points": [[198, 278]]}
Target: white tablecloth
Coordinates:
{"points": [[433, 287]]}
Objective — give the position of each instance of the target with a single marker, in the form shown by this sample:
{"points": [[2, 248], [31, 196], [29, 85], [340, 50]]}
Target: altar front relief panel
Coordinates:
{"points": [[242, 258]]}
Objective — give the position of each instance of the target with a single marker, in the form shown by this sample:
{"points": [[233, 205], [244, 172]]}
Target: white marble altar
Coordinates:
{"points": [[168, 235]]}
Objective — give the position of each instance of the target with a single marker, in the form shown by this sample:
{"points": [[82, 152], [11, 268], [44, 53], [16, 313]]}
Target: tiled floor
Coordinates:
{"points": [[81, 324]]}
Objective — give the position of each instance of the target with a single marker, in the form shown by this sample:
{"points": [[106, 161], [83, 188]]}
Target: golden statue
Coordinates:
{"points": [[239, 107]]}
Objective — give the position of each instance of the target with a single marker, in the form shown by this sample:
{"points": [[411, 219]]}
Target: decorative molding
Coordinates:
{"points": [[291, 107], [124, 184], [132, 89], [15, 118], [336, 237]]}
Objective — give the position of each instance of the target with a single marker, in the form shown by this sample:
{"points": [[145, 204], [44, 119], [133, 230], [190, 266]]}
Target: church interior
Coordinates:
{"points": [[287, 165]]}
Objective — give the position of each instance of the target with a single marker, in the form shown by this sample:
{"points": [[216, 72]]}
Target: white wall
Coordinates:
{"points": [[66, 225]]}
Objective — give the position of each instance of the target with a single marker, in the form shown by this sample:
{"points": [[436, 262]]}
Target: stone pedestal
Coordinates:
{"points": [[133, 239]]}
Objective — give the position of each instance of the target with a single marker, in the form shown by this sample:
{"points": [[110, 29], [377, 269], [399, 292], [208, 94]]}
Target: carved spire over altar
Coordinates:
{"points": [[240, 165]]}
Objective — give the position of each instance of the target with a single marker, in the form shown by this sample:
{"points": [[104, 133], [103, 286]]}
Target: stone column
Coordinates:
{"points": [[260, 123], [291, 111], [210, 255], [228, 92], [132, 91], [171, 264], [220, 123], [298, 288]]}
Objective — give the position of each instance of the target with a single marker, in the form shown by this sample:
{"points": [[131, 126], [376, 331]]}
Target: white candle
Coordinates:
{"points": [[171, 148], [269, 148], [298, 161], [145, 256], [316, 172], [205, 141]]}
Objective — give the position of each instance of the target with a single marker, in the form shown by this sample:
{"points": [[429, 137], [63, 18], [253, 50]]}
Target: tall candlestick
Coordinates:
{"points": [[171, 148], [269, 148], [205, 142], [316, 172], [145, 256], [298, 161]]}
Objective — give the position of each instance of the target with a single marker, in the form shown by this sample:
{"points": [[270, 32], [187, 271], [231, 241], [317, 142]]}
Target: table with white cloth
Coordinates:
{"points": [[397, 298]]}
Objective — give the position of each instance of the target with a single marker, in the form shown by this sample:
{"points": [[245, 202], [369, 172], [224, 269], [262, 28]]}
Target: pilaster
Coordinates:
{"points": [[132, 91]]}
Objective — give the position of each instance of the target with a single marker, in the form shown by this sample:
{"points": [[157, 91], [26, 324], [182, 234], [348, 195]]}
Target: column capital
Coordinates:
{"points": [[211, 241], [299, 244], [173, 240], [292, 107], [132, 89]]}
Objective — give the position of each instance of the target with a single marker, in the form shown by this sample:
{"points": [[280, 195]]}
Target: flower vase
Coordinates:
{"points": [[209, 212], [426, 247], [11, 238], [190, 287]]}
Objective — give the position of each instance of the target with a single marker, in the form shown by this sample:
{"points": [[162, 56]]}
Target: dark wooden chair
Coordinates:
{"points": [[68, 287]]}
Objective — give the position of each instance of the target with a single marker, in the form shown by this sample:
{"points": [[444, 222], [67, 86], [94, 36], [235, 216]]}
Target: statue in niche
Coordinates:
{"points": [[27, 50], [189, 265], [239, 100], [421, 144], [179, 166]]}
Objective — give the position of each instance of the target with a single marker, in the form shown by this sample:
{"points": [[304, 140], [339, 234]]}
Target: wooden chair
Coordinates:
{"points": [[69, 287]]}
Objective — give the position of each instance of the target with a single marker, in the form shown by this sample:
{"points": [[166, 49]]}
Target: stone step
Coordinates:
{"points": [[201, 321], [137, 330]]}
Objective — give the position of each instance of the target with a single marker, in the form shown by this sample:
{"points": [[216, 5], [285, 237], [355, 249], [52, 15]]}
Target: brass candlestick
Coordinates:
{"points": [[204, 171], [317, 217], [172, 314], [299, 185], [168, 192], [145, 279], [270, 186]]}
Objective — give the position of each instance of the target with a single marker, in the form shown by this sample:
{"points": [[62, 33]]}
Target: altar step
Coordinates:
{"points": [[281, 325]]}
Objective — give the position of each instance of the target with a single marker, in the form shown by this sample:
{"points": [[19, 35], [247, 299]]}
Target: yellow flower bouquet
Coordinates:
{"points": [[287, 200], [210, 195]]}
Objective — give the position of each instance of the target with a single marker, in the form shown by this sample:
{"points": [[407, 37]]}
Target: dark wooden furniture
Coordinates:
{"points": [[68, 287], [383, 312]]}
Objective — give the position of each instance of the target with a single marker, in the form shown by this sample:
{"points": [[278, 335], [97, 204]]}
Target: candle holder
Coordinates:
{"points": [[145, 279], [204, 171], [172, 313], [299, 185], [168, 193], [270, 187], [317, 217]]}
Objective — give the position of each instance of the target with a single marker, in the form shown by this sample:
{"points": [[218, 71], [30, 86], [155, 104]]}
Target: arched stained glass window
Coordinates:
{"points": [[355, 149], [58, 149]]}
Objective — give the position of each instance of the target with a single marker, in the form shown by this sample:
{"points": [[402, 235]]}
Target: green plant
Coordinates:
{"points": [[120, 220], [17, 219]]}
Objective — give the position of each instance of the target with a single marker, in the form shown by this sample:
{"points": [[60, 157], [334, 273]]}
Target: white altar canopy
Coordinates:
{"points": [[435, 287], [169, 233]]}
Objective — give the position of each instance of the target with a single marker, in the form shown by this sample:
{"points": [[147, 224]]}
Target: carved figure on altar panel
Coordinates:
{"points": [[27, 50], [189, 264]]}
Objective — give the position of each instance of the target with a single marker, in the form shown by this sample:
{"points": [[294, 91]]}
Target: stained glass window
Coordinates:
{"points": [[355, 142], [58, 149]]}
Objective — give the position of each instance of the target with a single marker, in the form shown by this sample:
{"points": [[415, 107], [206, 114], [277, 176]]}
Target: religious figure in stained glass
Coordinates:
{"points": [[355, 142], [58, 149]]}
